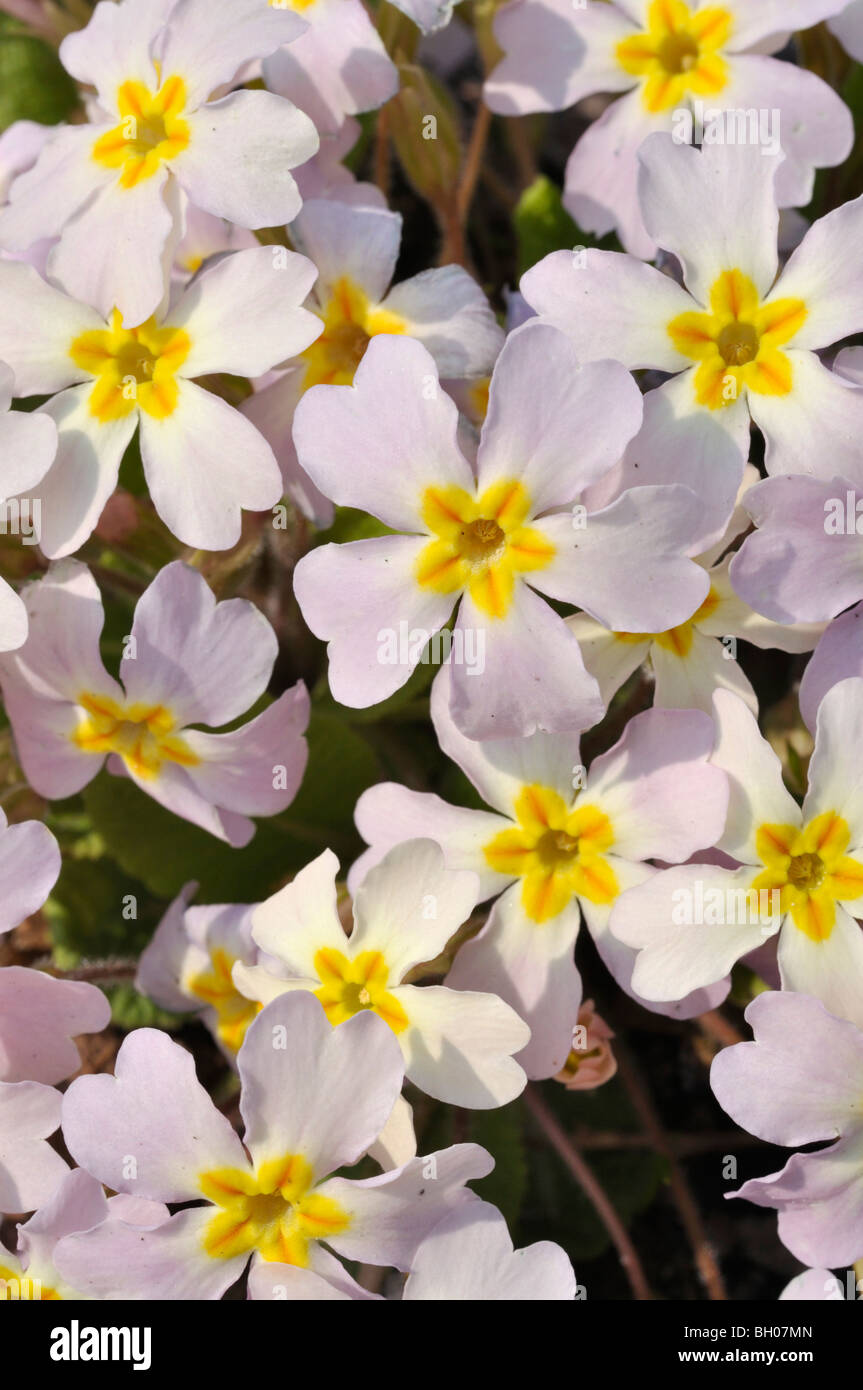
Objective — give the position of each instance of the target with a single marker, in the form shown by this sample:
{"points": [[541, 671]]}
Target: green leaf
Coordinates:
{"points": [[86, 912], [502, 1133], [129, 1010], [34, 86], [165, 852], [543, 225]]}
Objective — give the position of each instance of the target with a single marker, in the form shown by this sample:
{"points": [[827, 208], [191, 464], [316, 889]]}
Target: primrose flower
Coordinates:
{"points": [[557, 845], [187, 966], [112, 188], [457, 1047], [800, 1082], [29, 1167], [698, 69], [486, 539], [355, 249], [799, 872], [336, 68], [77, 1203], [314, 1099], [241, 315], [468, 1257], [740, 341], [187, 661], [694, 659], [591, 1061], [28, 444]]}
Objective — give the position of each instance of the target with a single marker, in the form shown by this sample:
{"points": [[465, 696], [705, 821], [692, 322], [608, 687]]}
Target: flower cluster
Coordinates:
{"points": [[388, 646]]}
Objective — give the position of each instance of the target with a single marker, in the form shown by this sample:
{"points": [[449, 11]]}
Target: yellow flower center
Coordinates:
{"points": [[736, 343], [483, 543], [142, 735], [556, 851], [677, 640], [678, 55], [216, 988], [350, 985], [151, 131], [350, 322], [811, 870], [275, 1211], [133, 367]]}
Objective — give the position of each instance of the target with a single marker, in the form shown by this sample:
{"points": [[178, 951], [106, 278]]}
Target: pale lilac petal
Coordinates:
{"points": [[532, 969], [39, 1018], [409, 906], [391, 1214], [533, 678], [210, 43], [655, 785], [29, 1167], [541, 399], [111, 252], [713, 208], [555, 54], [40, 357], [244, 313], [255, 770], [151, 1129], [165, 1262], [811, 120], [602, 174], [239, 157], [835, 780], [302, 918], [205, 661], [499, 768], [347, 437], [337, 68], [360, 244], [830, 969], [677, 956], [816, 428], [610, 305], [190, 462], [758, 794], [838, 656], [363, 600], [627, 566], [779, 1092], [448, 312], [315, 1090], [469, 1257], [389, 813]]}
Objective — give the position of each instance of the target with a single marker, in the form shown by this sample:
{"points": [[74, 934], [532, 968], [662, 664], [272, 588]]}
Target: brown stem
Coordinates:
{"points": [[473, 161], [99, 972], [681, 1192], [592, 1189], [718, 1028]]}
